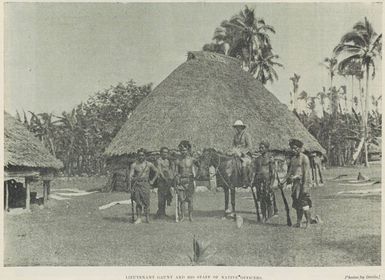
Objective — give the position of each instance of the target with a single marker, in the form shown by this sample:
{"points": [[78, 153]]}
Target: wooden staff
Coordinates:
{"points": [[176, 206], [280, 185], [132, 198], [256, 204]]}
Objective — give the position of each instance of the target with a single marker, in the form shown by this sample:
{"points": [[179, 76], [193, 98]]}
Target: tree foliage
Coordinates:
{"points": [[80, 136], [247, 38]]}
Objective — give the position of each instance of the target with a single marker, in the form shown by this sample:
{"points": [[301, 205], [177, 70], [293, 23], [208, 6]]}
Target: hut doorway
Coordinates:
{"points": [[15, 194]]}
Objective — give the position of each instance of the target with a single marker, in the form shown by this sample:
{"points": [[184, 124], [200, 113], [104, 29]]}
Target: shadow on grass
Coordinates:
{"points": [[366, 248]]}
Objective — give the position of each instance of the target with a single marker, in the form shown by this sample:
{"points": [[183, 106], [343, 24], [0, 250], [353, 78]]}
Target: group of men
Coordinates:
{"points": [[299, 175], [182, 173]]}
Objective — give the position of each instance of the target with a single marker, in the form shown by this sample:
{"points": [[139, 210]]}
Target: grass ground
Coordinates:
{"points": [[76, 233]]}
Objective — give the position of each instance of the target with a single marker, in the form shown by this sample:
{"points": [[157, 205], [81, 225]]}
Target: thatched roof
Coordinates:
{"points": [[23, 149], [199, 102]]}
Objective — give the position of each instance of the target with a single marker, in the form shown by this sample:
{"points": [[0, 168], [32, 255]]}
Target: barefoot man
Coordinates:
{"points": [[164, 181], [299, 174], [264, 180], [139, 183], [185, 175]]}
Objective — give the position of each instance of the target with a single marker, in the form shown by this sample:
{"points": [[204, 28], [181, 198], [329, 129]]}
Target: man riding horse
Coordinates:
{"points": [[242, 146]]}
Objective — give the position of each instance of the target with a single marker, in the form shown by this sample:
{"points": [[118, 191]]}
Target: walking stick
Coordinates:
{"points": [[280, 186], [132, 209], [128, 180], [256, 204], [176, 207], [132, 205], [176, 203]]}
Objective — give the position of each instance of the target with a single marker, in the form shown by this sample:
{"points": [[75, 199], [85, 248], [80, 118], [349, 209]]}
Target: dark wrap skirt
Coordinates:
{"points": [[185, 189], [303, 199], [141, 193], [264, 191]]}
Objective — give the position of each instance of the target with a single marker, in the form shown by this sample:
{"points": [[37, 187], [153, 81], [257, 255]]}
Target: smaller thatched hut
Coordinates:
{"points": [[25, 158]]}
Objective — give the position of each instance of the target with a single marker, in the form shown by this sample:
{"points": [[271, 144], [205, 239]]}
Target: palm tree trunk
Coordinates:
{"points": [[366, 117], [352, 93], [357, 151], [50, 140]]}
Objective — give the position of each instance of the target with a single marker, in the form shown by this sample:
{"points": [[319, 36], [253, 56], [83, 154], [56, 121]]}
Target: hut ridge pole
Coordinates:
{"points": [[28, 196]]}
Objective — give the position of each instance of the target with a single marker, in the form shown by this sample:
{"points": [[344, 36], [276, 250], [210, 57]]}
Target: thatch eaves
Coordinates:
{"points": [[199, 102], [23, 150]]}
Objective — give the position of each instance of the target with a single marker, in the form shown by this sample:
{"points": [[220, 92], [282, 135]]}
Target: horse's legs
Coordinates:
{"points": [[226, 191], [182, 210], [274, 203]]}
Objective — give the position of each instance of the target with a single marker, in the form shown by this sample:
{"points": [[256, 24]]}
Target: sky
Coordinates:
{"points": [[59, 54]]}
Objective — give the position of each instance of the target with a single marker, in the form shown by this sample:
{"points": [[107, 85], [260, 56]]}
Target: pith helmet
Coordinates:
{"points": [[239, 123]]}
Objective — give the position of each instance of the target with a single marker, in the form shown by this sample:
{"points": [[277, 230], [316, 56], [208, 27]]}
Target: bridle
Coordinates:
{"points": [[217, 171]]}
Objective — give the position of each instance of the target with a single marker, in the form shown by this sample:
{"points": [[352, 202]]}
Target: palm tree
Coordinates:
{"points": [[295, 81], [247, 34], [362, 44], [322, 95], [71, 136], [221, 38], [343, 93], [44, 127], [263, 67], [304, 96], [331, 65], [350, 68], [219, 44]]}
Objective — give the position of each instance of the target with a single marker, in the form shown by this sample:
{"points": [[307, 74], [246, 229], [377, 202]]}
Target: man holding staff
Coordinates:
{"points": [[139, 184], [299, 175]]}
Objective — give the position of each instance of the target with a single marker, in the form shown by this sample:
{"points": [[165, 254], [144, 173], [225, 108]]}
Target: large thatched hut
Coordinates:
{"points": [[199, 102], [25, 158]]}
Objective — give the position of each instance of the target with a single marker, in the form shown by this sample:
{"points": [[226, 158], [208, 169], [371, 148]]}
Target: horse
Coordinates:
{"points": [[227, 172]]}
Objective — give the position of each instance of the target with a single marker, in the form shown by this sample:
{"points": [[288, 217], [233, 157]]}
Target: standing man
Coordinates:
{"points": [[139, 183], [185, 175], [263, 181], [164, 181], [242, 147], [299, 174]]}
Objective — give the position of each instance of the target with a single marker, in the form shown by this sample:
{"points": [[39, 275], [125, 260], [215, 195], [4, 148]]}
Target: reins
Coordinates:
{"points": [[217, 171]]}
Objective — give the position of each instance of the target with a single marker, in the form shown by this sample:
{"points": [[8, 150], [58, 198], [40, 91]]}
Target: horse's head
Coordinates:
{"points": [[206, 159]]}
